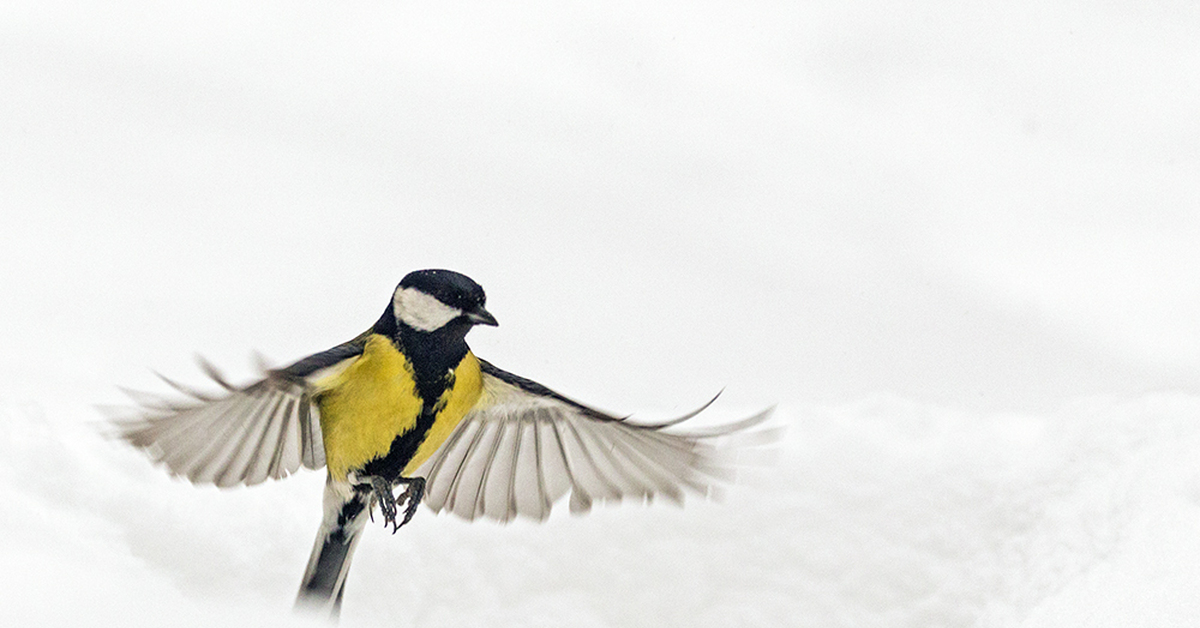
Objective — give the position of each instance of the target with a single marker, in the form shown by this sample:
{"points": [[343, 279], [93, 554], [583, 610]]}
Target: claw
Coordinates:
{"points": [[382, 490], [412, 495]]}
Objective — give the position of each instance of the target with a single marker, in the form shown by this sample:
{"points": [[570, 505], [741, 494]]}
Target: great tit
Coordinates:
{"points": [[407, 403]]}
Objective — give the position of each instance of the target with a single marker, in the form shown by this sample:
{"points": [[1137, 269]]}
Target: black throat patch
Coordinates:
{"points": [[433, 356]]}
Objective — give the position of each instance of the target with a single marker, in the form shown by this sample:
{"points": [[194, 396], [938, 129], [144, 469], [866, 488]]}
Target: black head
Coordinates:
{"points": [[428, 300]]}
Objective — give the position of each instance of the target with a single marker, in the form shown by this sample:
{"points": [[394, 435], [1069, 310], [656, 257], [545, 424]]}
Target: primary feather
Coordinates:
{"points": [[524, 447]]}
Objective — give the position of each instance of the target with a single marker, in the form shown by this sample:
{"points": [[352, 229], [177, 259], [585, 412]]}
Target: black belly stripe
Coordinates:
{"points": [[403, 448], [433, 357], [405, 445]]}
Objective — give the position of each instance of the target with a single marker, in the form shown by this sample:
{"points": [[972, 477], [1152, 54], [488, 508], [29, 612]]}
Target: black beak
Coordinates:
{"points": [[480, 316]]}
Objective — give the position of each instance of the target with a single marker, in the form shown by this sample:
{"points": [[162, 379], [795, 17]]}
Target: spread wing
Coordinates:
{"points": [[525, 446], [242, 435]]}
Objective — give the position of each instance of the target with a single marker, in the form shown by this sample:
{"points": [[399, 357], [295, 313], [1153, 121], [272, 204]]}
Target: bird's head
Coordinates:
{"points": [[431, 300]]}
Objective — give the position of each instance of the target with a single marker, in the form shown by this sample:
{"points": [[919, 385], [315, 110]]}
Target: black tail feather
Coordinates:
{"points": [[324, 582]]}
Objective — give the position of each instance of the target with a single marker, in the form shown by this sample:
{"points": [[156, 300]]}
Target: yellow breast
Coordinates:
{"points": [[368, 404], [365, 406], [455, 403]]}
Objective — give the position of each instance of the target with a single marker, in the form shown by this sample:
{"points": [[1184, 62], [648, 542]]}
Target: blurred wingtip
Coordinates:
{"points": [[734, 427], [261, 362], [213, 372], [116, 422]]}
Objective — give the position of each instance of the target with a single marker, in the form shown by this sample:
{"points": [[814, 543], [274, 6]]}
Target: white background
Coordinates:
{"points": [[957, 245]]}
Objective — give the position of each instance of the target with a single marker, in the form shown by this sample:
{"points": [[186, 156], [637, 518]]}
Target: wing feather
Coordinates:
{"points": [[524, 473], [453, 453], [461, 471], [524, 447], [312, 448], [587, 469], [494, 496], [256, 455], [216, 437], [552, 461], [482, 451], [287, 455], [639, 471], [581, 499], [540, 501], [244, 435], [221, 463]]}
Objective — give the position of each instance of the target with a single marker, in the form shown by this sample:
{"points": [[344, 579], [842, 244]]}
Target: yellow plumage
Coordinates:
{"points": [[458, 399], [366, 405]]}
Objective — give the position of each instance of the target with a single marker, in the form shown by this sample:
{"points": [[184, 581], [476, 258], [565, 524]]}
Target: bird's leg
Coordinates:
{"points": [[413, 492], [382, 490]]}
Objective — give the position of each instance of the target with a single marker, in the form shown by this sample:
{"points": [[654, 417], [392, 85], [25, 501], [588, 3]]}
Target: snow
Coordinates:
{"points": [[954, 243], [877, 513]]}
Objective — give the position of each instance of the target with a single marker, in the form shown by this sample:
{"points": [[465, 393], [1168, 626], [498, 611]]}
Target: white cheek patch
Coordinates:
{"points": [[421, 311]]}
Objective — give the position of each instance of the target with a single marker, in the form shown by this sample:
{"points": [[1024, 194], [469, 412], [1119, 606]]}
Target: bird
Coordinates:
{"points": [[407, 403]]}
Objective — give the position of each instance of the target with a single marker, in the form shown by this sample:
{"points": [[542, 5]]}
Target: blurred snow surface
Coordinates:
{"points": [[879, 513]]}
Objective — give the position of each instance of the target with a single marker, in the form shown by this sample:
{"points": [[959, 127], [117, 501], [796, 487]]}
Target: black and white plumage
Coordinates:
{"points": [[518, 453], [407, 403]]}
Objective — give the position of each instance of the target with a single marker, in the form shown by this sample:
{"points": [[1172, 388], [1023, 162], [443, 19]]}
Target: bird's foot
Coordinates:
{"points": [[412, 494], [382, 492]]}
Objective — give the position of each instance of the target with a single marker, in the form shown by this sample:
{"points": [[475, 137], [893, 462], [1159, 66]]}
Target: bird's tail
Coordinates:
{"points": [[346, 512]]}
